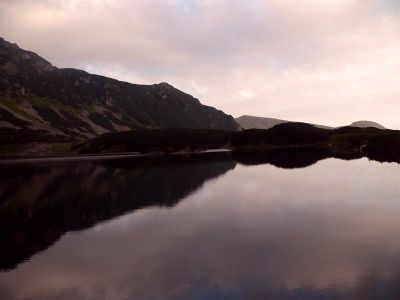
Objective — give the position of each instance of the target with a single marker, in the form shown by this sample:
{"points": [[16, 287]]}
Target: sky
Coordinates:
{"points": [[329, 62]]}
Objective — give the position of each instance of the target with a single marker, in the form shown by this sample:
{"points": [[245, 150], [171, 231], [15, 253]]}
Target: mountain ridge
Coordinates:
{"points": [[71, 104], [40, 103], [366, 124], [255, 122], [250, 122]]}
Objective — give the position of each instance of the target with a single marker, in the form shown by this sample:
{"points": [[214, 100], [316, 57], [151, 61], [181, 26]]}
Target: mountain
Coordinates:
{"points": [[250, 122], [247, 122], [40, 102], [365, 124]]}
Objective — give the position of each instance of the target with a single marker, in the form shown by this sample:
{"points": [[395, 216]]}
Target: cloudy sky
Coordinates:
{"points": [[330, 62]]}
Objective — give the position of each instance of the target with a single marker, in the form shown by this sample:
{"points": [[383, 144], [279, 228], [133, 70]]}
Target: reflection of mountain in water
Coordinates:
{"points": [[370, 286], [291, 158], [288, 159], [39, 203]]}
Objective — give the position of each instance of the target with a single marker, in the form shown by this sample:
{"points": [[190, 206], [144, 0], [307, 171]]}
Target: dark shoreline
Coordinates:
{"points": [[65, 157], [345, 142]]}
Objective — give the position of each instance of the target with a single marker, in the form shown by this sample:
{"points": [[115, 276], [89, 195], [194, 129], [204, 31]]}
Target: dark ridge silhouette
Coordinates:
{"points": [[344, 142], [200, 139], [282, 134], [41, 202], [167, 140]]}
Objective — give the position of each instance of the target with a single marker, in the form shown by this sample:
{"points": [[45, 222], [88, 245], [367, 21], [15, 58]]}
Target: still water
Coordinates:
{"points": [[210, 228]]}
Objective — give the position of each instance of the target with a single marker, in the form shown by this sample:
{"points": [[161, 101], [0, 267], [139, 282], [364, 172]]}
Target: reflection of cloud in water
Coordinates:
{"points": [[327, 231]]}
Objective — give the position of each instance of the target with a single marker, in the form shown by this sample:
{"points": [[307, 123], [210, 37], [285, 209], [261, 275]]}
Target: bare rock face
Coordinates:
{"points": [[73, 104], [10, 68]]}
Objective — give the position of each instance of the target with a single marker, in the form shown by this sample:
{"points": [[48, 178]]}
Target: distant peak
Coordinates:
{"points": [[166, 84], [17, 59], [365, 123]]}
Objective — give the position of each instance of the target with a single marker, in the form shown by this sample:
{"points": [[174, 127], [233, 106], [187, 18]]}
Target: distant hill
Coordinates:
{"points": [[248, 122], [365, 124], [40, 102], [252, 122]]}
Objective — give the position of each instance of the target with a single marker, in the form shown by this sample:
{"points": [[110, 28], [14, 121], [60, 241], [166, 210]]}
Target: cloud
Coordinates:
{"points": [[327, 62]]}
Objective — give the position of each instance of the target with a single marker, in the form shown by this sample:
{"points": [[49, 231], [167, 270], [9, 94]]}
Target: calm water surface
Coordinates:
{"points": [[212, 229]]}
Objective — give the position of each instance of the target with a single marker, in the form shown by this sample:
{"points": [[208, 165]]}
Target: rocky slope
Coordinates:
{"points": [[40, 102]]}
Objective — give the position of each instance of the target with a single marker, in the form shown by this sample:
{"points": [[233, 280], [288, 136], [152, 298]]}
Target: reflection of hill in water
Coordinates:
{"points": [[287, 159], [39, 203], [290, 158]]}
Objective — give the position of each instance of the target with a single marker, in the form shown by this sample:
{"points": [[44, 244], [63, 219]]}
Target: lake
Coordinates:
{"points": [[206, 227]]}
